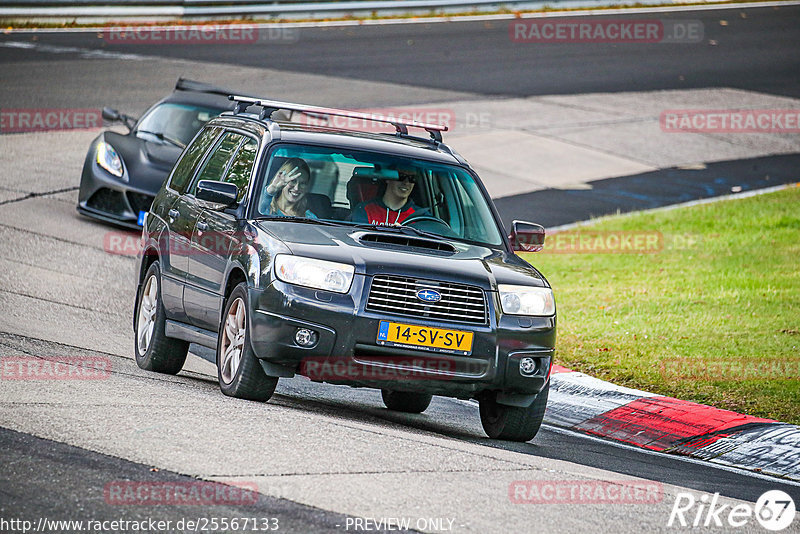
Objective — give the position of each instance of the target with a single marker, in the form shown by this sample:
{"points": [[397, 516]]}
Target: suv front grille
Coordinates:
{"points": [[397, 295]]}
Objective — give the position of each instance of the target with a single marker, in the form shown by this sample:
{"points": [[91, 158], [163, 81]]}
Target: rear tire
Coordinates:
{"points": [[155, 351], [239, 373], [402, 401], [512, 423]]}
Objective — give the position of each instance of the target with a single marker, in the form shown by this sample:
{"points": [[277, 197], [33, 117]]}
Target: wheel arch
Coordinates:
{"points": [[236, 276], [149, 257]]}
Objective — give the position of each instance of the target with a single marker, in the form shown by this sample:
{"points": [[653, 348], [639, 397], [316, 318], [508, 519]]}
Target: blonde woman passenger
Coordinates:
{"points": [[286, 194]]}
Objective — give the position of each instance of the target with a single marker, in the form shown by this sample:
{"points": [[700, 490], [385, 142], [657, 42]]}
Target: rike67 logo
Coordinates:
{"points": [[774, 510]]}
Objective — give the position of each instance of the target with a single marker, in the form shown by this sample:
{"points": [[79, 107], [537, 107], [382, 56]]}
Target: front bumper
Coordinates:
{"points": [[347, 351], [111, 199]]}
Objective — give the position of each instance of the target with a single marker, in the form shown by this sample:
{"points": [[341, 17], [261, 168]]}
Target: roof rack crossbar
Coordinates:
{"points": [[270, 106]]}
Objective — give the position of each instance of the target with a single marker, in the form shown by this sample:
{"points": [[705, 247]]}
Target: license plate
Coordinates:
{"points": [[425, 337]]}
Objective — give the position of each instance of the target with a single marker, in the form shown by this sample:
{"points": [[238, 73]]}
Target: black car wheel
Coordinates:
{"points": [[402, 401], [511, 422], [154, 350], [239, 373]]}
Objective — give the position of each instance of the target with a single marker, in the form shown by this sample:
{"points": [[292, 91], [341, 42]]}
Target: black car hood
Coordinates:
{"points": [[470, 264], [147, 163]]}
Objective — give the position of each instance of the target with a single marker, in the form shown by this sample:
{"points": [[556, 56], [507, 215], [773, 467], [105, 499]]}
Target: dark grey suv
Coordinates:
{"points": [[368, 259]]}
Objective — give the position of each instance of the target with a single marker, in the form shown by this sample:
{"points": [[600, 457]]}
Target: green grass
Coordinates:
{"points": [[715, 321]]}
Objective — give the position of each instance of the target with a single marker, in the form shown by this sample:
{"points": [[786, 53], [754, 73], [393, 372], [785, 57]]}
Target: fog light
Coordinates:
{"points": [[305, 337], [527, 366]]}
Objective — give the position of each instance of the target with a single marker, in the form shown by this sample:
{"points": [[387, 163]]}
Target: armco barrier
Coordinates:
{"points": [[152, 10]]}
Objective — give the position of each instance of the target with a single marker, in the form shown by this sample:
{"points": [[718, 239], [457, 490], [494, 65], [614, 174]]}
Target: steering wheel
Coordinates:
{"points": [[421, 218]]}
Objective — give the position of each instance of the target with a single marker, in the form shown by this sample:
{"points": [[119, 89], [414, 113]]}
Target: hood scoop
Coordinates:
{"points": [[402, 242]]}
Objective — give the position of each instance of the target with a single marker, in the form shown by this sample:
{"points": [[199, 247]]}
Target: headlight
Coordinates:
{"points": [[318, 274], [526, 300], [108, 158]]}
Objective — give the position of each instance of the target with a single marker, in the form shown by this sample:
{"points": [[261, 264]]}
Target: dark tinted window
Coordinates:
{"points": [[242, 166], [175, 122], [185, 169], [215, 165]]}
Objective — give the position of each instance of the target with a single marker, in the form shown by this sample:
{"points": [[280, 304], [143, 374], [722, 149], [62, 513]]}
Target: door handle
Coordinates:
{"points": [[173, 214]]}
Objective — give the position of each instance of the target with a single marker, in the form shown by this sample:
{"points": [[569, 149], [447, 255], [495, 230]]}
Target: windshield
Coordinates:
{"points": [[370, 188], [174, 122]]}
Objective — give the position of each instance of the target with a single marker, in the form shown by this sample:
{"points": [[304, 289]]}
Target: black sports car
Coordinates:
{"points": [[123, 172]]}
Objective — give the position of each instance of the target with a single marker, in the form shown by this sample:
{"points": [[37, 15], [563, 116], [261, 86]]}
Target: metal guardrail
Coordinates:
{"points": [[210, 9], [155, 10]]}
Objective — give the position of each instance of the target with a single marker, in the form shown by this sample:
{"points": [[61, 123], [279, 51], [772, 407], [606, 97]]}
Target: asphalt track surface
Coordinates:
{"points": [[46, 478], [754, 49]]}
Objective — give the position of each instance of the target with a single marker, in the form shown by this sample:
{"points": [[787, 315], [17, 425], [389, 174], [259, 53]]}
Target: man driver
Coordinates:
{"points": [[392, 207]]}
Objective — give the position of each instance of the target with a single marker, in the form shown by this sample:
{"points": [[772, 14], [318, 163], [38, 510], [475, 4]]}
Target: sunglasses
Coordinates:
{"points": [[407, 178]]}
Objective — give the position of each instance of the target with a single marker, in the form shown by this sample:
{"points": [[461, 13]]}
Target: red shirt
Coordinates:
{"points": [[376, 212]]}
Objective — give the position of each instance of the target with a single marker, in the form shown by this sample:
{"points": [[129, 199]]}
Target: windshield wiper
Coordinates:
{"points": [[163, 137], [292, 218], [423, 233], [395, 229], [327, 222]]}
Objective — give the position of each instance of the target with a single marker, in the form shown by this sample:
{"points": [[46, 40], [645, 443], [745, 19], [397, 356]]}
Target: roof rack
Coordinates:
{"points": [[271, 106]]}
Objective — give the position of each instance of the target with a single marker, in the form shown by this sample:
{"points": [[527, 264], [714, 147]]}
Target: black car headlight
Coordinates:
{"points": [[108, 159]]}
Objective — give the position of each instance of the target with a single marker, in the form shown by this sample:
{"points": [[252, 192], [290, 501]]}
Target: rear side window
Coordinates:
{"points": [[242, 166], [183, 172], [216, 164]]}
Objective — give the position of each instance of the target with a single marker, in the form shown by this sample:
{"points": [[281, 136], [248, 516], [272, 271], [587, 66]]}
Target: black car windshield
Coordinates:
{"points": [[174, 122], [357, 187]]}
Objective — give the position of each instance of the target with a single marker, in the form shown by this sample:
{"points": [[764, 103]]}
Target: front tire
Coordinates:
{"points": [[239, 373], [402, 401], [154, 350], [513, 423]]}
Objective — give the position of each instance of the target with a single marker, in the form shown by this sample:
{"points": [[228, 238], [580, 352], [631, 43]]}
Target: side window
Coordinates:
{"points": [[242, 166], [185, 169], [215, 165]]}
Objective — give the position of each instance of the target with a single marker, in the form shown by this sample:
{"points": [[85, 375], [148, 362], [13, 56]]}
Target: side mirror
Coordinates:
{"points": [[526, 236], [218, 195], [111, 115]]}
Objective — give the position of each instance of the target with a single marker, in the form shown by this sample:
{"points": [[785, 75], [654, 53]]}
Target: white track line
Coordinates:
{"points": [[84, 53]]}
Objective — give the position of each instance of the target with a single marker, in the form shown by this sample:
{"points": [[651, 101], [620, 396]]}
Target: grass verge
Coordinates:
{"points": [[705, 308]]}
